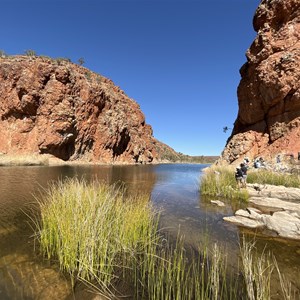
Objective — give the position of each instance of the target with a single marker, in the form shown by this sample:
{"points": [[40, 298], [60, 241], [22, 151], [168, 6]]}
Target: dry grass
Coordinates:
{"points": [[23, 160]]}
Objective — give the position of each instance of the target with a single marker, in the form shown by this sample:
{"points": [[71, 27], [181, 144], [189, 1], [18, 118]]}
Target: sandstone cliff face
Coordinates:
{"points": [[55, 107], [268, 121]]}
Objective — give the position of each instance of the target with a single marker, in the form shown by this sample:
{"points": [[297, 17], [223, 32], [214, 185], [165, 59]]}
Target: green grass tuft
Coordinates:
{"points": [[102, 236], [274, 178], [220, 182]]}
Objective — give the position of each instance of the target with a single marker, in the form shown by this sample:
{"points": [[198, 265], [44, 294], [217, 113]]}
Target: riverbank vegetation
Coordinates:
{"points": [[23, 160], [102, 236], [220, 181], [263, 176]]}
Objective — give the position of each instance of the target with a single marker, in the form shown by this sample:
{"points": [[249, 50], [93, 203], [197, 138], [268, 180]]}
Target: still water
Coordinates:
{"points": [[174, 190]]}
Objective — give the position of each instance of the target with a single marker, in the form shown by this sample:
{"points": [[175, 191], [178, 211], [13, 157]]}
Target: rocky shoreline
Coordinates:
{"points": [[272, 208]]}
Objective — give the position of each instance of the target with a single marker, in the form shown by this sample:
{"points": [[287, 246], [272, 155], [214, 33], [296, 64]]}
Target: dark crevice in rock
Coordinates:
{"points": [[46, 79], [85, 146], [121, 146], [21, 92], [65, 149]]}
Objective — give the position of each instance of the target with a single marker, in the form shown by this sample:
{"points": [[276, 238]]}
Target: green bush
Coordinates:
{"points": [[30, 52]]}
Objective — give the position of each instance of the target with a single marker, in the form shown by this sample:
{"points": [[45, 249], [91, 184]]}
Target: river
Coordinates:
{"points": [[174, 190]]}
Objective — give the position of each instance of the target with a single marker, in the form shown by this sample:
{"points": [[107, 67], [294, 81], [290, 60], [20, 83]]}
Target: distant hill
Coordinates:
{"points": [[167, 154]]}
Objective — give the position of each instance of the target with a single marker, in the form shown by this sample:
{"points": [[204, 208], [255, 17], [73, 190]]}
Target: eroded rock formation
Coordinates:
{"points": [[59, 108], [268, 121]]}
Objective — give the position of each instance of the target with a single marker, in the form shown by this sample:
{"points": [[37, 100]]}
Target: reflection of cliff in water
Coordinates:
{"points": [[22, 273]]}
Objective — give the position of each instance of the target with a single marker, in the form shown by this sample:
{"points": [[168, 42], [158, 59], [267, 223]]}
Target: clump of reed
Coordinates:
{"points": [[23, 160], [263, 176], [220, 182], [93, 229], [106, 238], [257, 271], [102, 236]]}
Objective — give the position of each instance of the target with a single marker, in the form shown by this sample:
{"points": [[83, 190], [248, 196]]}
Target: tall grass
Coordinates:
{"points": [[108, 239], [93, 230], [257, 271], [103, 237], [270, 177], [220, 182]]}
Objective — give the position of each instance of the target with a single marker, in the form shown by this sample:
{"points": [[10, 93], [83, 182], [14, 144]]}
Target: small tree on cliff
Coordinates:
{"points": [[30, 52], [2, 53], [81, 61]]}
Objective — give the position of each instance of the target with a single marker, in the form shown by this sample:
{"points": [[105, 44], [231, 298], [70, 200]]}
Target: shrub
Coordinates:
{"points": [[2, 53], [30, 53], [81, 61]]}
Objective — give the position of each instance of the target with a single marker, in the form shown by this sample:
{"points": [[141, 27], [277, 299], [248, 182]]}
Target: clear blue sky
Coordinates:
{"points": [[179, 59]]}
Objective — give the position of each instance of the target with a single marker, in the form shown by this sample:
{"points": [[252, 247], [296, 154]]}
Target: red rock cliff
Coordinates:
{"points": [[268, 121], [59, 108]]}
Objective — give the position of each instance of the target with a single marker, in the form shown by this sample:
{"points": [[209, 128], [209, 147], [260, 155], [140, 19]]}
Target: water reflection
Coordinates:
{"points": [[173, 188]]}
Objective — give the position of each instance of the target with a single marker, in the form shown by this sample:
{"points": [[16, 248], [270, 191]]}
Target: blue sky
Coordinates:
{"points": [[178, 59]]}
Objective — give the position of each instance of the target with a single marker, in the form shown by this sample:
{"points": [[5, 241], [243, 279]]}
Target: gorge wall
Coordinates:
{"points": [[268, 121], [52, 106]]}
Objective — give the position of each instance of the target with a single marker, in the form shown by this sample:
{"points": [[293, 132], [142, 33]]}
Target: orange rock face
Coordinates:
{"points": [[268, 121], [59, 108]]}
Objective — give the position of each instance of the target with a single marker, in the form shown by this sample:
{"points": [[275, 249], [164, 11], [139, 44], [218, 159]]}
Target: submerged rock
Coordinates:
{"points": [[218, 203]]}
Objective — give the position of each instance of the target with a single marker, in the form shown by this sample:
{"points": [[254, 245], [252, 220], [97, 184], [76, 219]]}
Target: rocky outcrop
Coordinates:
{"points": [[273, 208], [52, 106], [268, 121]]}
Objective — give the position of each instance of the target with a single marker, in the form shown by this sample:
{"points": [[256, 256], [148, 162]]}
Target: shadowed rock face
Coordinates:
{"points": [[59, 108], [268, 120]]}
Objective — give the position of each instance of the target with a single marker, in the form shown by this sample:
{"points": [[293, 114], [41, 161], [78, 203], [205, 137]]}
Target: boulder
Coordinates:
{"points": [[285, 224]]}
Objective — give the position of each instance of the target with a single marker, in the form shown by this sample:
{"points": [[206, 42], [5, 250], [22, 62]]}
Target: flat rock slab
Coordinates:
{"points": [[285, 224], [272, 191], [242, 221], [274, 204], [283, 217]]}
